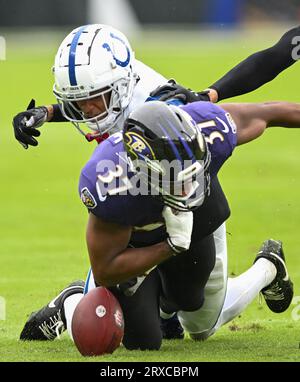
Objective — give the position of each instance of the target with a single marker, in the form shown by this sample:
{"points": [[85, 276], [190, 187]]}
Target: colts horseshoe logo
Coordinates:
{"points": [[108, 48]]}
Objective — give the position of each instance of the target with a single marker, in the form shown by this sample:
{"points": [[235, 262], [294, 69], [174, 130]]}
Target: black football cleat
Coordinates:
{"points": [[279, 294], [49, 322], [171, 328]]}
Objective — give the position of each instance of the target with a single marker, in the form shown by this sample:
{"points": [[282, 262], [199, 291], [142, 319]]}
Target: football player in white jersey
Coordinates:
{"points": [[250, 74], [98, 82], [95, 73]]}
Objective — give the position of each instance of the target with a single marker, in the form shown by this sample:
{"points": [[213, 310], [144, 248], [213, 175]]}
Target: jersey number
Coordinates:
{"points": [[111, 179], [214, 134]]}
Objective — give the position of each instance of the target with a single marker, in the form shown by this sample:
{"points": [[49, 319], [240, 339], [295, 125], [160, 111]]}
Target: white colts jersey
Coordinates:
{"points": [[149, 79]]}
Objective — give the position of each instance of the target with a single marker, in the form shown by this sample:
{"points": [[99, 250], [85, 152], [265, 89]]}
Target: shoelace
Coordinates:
{"points": [[274, 293], [54, 328]]}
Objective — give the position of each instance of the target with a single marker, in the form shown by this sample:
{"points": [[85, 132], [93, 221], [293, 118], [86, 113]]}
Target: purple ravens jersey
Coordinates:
{"points": [[106, 181], [218, 128], [108, 169]]}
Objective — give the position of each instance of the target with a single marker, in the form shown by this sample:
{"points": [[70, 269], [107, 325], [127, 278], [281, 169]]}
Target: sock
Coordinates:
{"points": [[242, 290], [70, 304]]}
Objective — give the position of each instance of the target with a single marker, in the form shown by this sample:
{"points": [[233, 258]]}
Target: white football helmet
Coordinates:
{"points": [[94, 61]]}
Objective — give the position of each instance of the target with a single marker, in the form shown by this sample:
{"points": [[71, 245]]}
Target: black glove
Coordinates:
{"points": [[25, 124], [173, 90]]}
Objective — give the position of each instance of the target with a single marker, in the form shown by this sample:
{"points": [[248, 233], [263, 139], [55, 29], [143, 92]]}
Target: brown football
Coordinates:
{"points": [[98, 323]]}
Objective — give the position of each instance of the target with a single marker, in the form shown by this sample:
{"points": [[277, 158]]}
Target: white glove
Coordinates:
{"points": [[179, 227]]}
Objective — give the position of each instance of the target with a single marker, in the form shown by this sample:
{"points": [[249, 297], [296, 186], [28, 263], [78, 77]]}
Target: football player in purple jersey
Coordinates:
{"points": [[157, 250], [129, 234]]}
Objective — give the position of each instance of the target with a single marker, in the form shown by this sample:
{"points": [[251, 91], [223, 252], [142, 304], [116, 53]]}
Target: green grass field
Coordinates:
{"points": [[42, 220]]}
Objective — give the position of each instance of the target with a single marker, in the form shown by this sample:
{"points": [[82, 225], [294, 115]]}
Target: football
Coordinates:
{"points": [[98, 323]]}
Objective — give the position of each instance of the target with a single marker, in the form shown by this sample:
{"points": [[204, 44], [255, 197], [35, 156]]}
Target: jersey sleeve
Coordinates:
{"points": [[89, 196], [104, 186], [112, 209], [218, 128]]}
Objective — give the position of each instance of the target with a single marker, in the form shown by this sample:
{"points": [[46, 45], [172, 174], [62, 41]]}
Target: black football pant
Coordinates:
{"points": [[176, 284]]}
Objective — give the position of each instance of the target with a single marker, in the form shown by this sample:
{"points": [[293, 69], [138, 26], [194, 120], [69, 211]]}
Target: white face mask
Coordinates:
{"points": [[107, 119], [186, 193]]}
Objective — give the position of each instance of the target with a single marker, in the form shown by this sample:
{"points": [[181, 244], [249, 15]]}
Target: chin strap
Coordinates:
{"points": [[99, 138]]}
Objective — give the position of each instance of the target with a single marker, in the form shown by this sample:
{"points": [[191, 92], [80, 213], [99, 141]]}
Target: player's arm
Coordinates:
{"points": [[252, 119], [111, 261], [250, 74], [259, 68], [55, 114]]}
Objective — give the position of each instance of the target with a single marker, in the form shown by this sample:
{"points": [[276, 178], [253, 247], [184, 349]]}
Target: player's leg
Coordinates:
{"points": [[243, 289], [268, 275], [141, 314], [225, 300], [216, 205], [71, 302], [184, 277], [200, 322], [52, 319], [140, 305]]}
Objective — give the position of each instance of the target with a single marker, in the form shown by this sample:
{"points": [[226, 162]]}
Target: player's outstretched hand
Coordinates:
{"points": [[26, 123], [173, 90], [179, 226]]}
